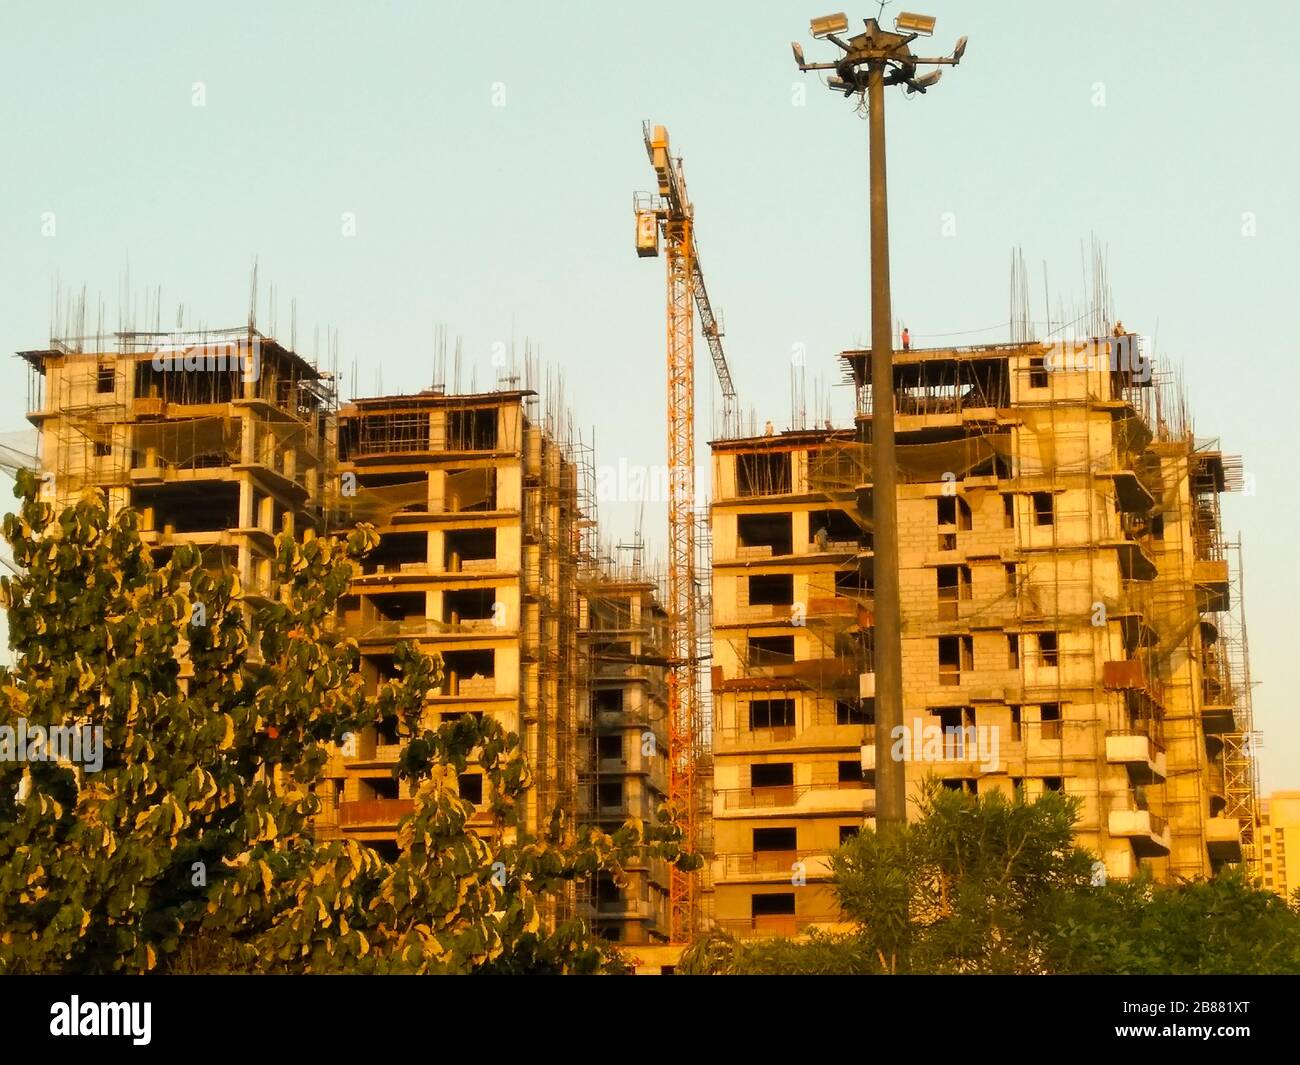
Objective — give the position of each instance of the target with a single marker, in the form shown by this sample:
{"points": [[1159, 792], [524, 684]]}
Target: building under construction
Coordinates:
{"points": [[1071, 619], [624, 743], [221, 439], [478, 514], [484, 507]]}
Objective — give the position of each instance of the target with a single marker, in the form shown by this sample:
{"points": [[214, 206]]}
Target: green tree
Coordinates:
{"points": [[992, 884], [192, 848], [959, 889], [820, 954], [1224, 925]]}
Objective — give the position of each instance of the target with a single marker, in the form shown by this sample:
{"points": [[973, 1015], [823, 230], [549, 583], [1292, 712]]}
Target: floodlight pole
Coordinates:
{"points": [[887, 637], [887, 59]]}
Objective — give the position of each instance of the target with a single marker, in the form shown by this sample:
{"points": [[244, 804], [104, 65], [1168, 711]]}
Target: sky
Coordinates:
{"points": [[396, 168]]}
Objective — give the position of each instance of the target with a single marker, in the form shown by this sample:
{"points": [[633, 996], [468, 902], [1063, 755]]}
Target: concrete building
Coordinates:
{"points": [[1279, 822], [1072, 617], [1070, 621], [218, 438], [791, 585], [479, 559], [224, 438], [624, 746], [487, 557]]}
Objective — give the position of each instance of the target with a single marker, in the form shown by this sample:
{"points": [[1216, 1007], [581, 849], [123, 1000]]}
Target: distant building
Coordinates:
{"points": [[1279, 840]]}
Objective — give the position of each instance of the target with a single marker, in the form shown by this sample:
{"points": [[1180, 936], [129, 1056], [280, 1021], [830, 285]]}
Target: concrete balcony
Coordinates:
{"points": [[1148, 833], [775, 866], [847, 797], [373, 813], [1135, 563], [747, 613], [1223, 839], [1131, 495], [147, 407], [784, 925], [1138, 753], [372, 753], [1217, 716], [622, 909], [1211, 578], [1123, 675]]}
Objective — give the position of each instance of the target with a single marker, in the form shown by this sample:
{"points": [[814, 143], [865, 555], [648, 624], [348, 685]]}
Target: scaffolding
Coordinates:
{"points": [[1108, 455]]}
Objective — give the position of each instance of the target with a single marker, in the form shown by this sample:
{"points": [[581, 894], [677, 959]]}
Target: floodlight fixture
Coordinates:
{"points": [[925, 81], [921, 25], [828, 24]]}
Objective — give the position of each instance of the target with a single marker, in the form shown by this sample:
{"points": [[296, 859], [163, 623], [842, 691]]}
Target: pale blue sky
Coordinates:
{"points": [[493, 219]]}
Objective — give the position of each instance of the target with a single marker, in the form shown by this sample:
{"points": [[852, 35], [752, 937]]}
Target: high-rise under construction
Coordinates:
{"points": [[1071, 619], [487, 556]]}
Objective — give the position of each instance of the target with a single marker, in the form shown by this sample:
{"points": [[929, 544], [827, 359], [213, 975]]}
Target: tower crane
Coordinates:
{"points": [[668, 213]]}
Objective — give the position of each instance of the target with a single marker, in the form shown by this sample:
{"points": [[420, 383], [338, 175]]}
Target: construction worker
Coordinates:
{"points": [[1119, 329], [907, 339]]}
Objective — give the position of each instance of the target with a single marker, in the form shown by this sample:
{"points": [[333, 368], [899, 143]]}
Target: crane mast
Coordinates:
{"points": [[670, 213]]}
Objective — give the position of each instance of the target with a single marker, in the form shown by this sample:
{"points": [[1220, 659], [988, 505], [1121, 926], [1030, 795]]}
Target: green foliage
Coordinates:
{"points": [[958, 890], [996, 885], [218, 722], [1219, 926], [821, 954]]}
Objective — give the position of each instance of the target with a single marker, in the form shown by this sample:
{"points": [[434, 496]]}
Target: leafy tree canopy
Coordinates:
{"points": [[991, 884], [192, 847]]}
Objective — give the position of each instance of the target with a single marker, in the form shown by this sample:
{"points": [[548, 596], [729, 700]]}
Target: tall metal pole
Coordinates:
{"points": [[891, 794], [887, 59]]}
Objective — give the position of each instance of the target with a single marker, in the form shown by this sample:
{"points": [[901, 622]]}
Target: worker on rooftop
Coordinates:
{"points": [[907, 339]]}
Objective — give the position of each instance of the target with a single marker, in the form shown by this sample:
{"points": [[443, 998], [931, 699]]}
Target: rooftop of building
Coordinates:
{"points": [[433, 398], [135, 347], [855, 357], [785, 439]]}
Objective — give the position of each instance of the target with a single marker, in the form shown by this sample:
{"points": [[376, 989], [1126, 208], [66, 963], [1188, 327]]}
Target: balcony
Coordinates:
{"points": [[1148, 833], [374, 813], [369, 751], [1123, 675], [777, 865], [813, 728], [147, 407], [1131, 495], [1223, 839], [387, 630], [1217, 715], [1135, 564], [476, 687], [776, 925], [624, 909], [1139, 753], [1211, 579], [748, 613], [848, 796], [839, 607]]}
